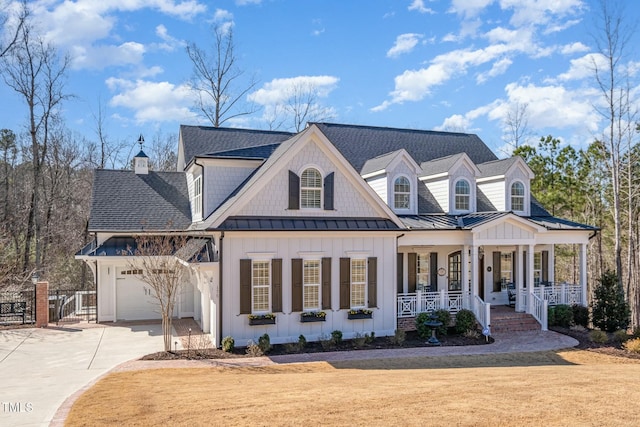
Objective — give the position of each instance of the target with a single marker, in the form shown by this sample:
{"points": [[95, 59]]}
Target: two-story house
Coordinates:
{"points": [[367, 226]]}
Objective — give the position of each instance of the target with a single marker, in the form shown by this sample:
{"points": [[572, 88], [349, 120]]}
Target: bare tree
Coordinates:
{"points": [[156, 264], [36, 72], [300, 105], [216, 77], [515, 125], [14, 33]]}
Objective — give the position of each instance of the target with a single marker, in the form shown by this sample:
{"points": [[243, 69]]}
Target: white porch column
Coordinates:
{"points": [[583, 273], [474, 276], [530, 287], [552, 264], [465, 274], [520, 277]]}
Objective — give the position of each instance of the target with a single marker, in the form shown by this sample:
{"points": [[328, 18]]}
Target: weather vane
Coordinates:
{"points": [[141, 141]]}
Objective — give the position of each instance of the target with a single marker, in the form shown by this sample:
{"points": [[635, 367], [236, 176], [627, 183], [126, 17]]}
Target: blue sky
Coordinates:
{"points": [[458, 65]]}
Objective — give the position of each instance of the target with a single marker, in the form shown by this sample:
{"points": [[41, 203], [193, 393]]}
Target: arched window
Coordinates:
{"points": [[311, 189], [463, 195], [517, 196], [401, 193]]}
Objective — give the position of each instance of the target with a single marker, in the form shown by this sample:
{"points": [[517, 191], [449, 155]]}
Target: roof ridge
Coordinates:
{"points": [[390, 128]]}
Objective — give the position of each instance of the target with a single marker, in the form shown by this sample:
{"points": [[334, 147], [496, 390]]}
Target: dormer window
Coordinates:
{"points": [[517, 196], [311, 189], [462, 195], [401, 193]]}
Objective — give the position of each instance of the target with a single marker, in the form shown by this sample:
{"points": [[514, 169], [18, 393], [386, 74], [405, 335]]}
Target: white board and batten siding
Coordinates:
{"points": [[505, 231], [288, 246], [440, 191], [379, 185], [495, 192]]}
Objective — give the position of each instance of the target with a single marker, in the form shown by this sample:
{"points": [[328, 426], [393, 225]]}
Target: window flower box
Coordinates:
{"points": [[262, 319], [360, 314], [313, 316]]}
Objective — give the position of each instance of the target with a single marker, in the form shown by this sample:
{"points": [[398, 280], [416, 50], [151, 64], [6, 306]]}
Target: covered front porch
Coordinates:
{"points": [[499, 260]]}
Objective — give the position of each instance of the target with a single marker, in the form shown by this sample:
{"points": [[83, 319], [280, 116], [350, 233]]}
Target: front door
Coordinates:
{"points": [[481, 278]]}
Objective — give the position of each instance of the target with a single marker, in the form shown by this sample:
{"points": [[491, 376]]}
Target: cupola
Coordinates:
{"points": [[141, 161]]}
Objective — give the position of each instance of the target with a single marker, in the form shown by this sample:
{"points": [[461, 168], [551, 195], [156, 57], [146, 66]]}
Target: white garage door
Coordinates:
{"points": [[134, 298]]}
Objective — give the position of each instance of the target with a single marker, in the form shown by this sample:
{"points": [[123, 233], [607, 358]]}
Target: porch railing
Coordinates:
{"points": [[539, 310], [411, 304], [555, 294], [482, 310]]}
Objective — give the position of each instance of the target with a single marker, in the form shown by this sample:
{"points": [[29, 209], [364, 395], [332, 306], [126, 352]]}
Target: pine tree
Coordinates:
{"points": [[610, 311]]}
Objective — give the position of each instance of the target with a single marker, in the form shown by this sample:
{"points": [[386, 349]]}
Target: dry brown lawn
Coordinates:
{"points": [[569, 388]]}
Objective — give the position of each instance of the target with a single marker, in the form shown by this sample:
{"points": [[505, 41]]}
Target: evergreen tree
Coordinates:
{"points": [[610, 310]]}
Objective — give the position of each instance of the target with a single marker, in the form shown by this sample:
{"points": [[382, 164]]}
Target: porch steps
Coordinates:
{"points": [[505, 319]]}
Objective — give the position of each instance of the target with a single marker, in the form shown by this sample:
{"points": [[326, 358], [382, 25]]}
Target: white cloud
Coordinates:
{"points": [[404, 44], [583, 67], [419, 6], [246, 2], [152, 101], [469, 8], [455, 123], [170, 43], [279, 90], [571, 48], [102, 56], [542, 13], [499, 67]]}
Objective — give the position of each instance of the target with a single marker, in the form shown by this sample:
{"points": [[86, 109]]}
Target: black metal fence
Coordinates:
{"points": [[72, 305], [18, 307]]}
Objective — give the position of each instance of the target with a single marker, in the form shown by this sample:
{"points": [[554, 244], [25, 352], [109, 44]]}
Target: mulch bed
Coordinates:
{"points": [[610, 348], [411, 340]]}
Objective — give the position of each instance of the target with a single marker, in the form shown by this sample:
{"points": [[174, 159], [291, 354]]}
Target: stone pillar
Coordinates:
{"points": [[42, 304]]}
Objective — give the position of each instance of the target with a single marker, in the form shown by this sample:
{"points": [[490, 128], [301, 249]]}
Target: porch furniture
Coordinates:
{"points": [[13, 309], [511, 294]]}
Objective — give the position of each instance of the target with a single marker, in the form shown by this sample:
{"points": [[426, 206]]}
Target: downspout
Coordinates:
{"points": [[220, 288]]}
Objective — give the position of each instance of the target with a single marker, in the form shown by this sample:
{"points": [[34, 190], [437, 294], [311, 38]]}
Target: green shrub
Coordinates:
{"points": [[632, 345], [370, 338], [620, 335], [336, 337], [562, 315], [598, 336], [580, 315], [610, 311], [302, 342], [551, 316], [398, 337], [228, 344], [423, 330], [264, 342], [465, 321], [254, 350], [445, 317]]}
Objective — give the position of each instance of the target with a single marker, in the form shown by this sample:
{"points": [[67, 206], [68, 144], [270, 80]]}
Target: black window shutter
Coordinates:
{"points": [[497, 286], [400, 273], [328, 192], [345, 283], [545, 266], [294, 191], [372, 281], [326, 283], [296, 284], [245, 286], [276, 285], [412, 266], [433, 271]]}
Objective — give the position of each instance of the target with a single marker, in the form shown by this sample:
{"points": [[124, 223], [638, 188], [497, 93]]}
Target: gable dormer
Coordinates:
{"points": [[507, 184], [393, 176], [452, 181]]}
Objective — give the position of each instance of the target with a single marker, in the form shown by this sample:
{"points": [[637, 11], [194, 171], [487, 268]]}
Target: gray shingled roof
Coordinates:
{"points": [[306, 223], [437, 166], [361, 143], [260, 152], [427, 204], [496, 167], [378, 163], [203, 140], [124, 201]]}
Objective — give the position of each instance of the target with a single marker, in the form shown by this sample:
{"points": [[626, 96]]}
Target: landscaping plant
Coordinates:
{"points": [[228, 344], [264, 342], [610, 311], [465, 321]]}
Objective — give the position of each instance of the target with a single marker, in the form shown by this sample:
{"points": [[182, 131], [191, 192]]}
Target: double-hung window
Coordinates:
{"points": [[517, 196], [462, 195], [401, 193], [311, 189], [261, 286], [311, 285], [422, 275], [506, 267], [537, 268], [358, 282]]}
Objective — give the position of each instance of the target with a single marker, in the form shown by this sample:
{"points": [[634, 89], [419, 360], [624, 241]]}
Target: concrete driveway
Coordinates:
{"points": [[40, 368]]}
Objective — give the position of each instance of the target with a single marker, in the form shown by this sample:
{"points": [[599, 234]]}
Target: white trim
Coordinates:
{"points": [[311, 255], [524, 196], [452, 207], [321, 188], [412, 189], [357, 254], [269, 287], [261, 256]]}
